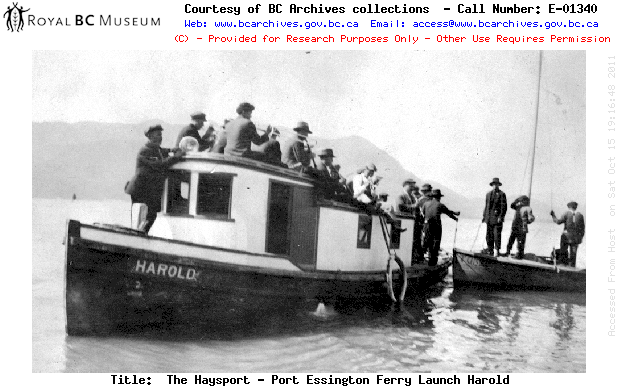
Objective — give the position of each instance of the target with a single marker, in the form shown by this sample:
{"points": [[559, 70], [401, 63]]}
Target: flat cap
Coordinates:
{"points": [[244, 106], [371, 167], [572, 204], [198, 116], [426, 187], [409, 182], [152, 128]]}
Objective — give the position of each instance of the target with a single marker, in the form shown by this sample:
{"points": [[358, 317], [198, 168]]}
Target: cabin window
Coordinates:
{"points": [[214, 193], [395, 234], [364, 231], [178, 192]]}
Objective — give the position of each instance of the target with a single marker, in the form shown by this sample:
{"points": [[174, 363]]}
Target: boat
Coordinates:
{"points": [[532, 272], [239, 233]]}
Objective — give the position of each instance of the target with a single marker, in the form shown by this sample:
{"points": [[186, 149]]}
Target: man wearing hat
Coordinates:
{"points": [[294, 152], [325, 165], [363, 187], [494, 212], [409, 203], [523, 217], [333, 183], [432, 210], [147, 184], [204, 142], [241, 133], [574, 229]]}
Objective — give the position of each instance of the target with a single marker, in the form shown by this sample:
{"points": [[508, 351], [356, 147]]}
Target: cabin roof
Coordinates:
{"points": [[248, 163]]}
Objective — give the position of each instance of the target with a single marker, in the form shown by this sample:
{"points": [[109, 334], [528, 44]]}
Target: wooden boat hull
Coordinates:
{"points": [[482, 269], [111, 286]]}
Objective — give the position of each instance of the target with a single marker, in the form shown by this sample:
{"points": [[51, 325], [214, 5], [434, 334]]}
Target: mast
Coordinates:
{"points": [[529, 190]]}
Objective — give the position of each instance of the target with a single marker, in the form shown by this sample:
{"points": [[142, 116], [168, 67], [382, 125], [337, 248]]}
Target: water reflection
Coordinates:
{"points": [[565, 322]]}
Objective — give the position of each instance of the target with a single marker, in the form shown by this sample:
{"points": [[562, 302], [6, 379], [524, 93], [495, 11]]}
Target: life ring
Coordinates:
{"points": [[403, 276]]}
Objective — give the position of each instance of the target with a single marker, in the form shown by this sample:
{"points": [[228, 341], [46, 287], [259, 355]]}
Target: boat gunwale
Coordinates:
{"points": [[519, 263], [316, 274]]}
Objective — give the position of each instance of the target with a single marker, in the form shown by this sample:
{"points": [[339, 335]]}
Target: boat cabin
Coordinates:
{"points": [[253, 207]]}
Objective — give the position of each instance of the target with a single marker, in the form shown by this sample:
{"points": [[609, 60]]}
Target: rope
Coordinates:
{"points": [[456, 229], [401, 265], [476, 238]]}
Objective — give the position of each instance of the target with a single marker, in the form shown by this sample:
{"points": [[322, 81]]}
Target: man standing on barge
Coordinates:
{"points": [[147, 184], [494, 212], [574, 229], [523, 217]]}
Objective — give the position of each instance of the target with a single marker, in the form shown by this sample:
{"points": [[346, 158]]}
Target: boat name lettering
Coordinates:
{"points": [[165, 270]]}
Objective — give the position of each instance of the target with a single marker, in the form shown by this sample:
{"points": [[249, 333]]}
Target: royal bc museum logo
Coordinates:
{"points": [[16, 20]]}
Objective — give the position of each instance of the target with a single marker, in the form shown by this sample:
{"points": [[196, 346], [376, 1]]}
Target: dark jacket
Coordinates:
{"points": [[148, 182], [293, 152], [240, 134], [204, 142], [574, 226], [271, 151], [322, 171], [495, 208], [433, 209], [406, 204]]}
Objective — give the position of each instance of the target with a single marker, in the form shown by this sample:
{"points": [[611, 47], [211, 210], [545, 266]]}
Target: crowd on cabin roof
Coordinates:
{"points": [[237, 135]]}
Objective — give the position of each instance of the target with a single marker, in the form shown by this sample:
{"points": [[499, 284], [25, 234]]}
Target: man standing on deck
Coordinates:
{"points": [[523, 217], [241, 133], [494, 212], [204, 142], [574, 229], [147, 184], [433, 209], [408, 203]]}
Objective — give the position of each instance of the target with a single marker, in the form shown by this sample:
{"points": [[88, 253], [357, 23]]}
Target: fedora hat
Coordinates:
{"points": [[152, 128], [244, 106], [326, 153], [436, 193], [495, 181], [302, 126], [426, 187]]}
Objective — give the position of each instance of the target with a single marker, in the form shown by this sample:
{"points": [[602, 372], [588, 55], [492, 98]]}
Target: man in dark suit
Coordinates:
{"points": [[408, 203], [433, 209], [494, 212], [205, 141], [574, 230], [294, 152], [332, 183], [147, 184], [241, 133]]}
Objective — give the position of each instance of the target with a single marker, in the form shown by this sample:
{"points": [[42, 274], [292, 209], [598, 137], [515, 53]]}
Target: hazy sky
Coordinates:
{"points": [[456, 117]]}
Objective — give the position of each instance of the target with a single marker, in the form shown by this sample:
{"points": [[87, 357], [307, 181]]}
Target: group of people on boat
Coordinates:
{"points": [[494, 215], [422, 203]]}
